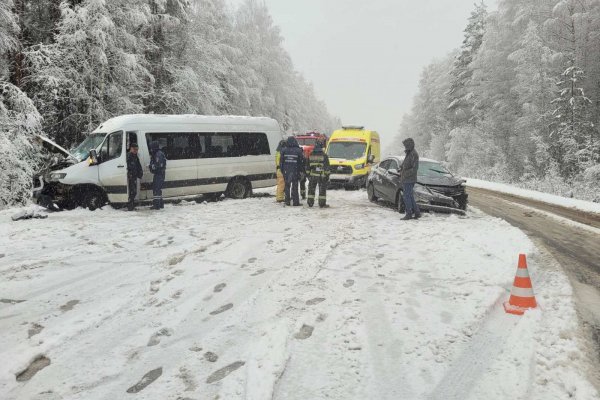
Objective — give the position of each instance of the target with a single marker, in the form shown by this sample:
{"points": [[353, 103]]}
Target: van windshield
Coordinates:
{"points": [[93, 140], [347, 150]]}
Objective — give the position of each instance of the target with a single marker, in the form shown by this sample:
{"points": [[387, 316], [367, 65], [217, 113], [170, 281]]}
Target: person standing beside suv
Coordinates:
{"points": [[408, 179]]}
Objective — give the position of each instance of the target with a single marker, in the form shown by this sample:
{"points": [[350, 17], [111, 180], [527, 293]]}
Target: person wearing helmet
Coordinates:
{"points": [[158, 166], [280, 181], [318, 174], [292, 164]]}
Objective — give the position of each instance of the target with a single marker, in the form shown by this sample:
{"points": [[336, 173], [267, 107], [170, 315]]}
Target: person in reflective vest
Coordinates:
{"points": [[158, 166], [318, 174], [292, 164], [280, 181]]}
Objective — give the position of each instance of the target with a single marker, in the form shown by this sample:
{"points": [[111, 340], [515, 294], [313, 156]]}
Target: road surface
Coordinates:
{"points": [[249, 300], [576, 246]]}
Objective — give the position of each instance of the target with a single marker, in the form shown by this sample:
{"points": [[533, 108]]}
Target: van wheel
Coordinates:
{"points": [[400, 203], [238, 189], [371, 193], [94, 200]]}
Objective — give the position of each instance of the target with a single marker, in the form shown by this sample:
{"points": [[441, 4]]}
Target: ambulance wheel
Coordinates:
{"points": [[371, 193], [238, 188]]}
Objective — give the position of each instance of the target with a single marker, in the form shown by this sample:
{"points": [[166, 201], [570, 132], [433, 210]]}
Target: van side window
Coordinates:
{"points": [[250, 144], [177, 146], [112, 147], [393, 165]]}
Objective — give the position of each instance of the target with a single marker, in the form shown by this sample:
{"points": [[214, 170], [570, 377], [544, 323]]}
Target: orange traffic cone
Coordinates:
{"points": [[521, 296]]}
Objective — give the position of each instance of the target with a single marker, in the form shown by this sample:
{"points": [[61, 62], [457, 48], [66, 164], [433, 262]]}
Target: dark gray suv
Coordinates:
{"points": [[437, 189]]}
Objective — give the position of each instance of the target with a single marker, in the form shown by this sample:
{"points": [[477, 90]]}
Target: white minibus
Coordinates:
{"points": [[206, 156]]}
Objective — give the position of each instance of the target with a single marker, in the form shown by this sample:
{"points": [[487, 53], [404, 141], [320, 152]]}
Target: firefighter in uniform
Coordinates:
{"points": [[292, 164], [318, 174], [303, 180], [134, 172], [280, 181], [158, 167]]}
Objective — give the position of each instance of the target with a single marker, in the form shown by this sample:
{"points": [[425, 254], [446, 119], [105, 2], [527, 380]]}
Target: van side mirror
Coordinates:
{"points": [[93, 160], [371, 159]]}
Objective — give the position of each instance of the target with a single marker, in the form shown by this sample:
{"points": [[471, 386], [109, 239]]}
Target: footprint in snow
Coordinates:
{"points": [[146, 380], [349, 283], [305, 332], [252, 260], [223, 372], [155, 339], [315, 301], [222, 309], [259, 272], [34, 330], [69, 305], [219, 288], [10, 301], [211, 357], [36, 366]]}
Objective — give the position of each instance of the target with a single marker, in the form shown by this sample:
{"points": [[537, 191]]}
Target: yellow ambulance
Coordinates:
{"points": [[352, 152]]}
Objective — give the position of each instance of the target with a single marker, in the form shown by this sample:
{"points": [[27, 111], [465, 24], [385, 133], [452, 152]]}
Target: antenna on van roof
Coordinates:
{"points": [[353, 127]]}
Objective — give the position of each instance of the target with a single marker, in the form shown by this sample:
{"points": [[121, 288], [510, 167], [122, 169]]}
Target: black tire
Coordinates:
{"points": [[371, 193], [94, 200], [400, 203], [239, 188]]}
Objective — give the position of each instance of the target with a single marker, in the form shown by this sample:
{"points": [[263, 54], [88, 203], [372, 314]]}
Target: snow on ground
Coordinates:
{"points": [[581, 205], [250, 300]]}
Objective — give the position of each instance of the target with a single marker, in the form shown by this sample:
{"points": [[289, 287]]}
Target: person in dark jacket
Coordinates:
{"points": [[134, 172], [318, 174], [292, 164], [158, 166], [408, 178]]}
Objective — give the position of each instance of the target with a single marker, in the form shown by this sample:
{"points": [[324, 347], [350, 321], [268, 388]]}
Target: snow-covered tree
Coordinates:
{"points": [[19, 122]]}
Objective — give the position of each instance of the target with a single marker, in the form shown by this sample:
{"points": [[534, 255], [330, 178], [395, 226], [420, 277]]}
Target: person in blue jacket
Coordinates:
{"points": [[158, 166], [292, 164]]}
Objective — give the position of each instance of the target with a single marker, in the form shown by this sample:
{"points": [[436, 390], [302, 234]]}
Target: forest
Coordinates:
{"points": [[519, 101], [68, 65]]}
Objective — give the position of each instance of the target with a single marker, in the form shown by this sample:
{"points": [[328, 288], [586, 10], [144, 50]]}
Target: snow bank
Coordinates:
{"points": [[581, 205]]}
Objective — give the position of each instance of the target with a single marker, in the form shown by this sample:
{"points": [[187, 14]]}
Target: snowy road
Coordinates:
{"points": [[249, 300]]}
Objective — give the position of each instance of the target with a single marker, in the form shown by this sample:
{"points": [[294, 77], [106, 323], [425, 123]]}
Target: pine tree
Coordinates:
{"points": [[461, 93]]}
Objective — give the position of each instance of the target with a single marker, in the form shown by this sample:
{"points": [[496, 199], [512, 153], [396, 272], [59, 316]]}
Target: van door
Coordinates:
{"points": [[181, 151], [112, 170]]}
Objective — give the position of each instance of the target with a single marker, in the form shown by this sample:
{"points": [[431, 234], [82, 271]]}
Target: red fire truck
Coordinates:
{"points": [[308, 140]]}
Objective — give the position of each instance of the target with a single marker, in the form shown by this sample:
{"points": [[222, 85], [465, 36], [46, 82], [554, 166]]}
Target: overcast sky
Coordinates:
{"points": [[365, 56]]}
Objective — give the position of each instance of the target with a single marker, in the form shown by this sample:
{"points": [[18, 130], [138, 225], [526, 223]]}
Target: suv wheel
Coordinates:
{"points": [[371, 193], [400, 203]]}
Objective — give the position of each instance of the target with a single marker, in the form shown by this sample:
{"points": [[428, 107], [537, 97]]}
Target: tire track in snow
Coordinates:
{"points": [[480, 353]]}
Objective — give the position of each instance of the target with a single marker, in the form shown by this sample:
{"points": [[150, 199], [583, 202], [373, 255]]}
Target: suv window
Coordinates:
{"points": [[385, 164], [112, 147]]}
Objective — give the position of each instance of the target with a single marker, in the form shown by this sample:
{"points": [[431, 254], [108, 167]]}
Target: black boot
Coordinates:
{"points": [[406, 217]]}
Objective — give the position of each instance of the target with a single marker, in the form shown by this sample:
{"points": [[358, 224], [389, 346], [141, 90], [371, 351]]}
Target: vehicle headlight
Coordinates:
{"points": [[57, 176], [359, 166]]}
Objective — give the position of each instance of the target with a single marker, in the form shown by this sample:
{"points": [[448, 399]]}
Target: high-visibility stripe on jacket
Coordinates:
{"points": [[277, 159], [318, 164]]}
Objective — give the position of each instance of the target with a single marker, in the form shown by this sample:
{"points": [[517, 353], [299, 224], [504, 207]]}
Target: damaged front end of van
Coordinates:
{"points": [[49, 187]]}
